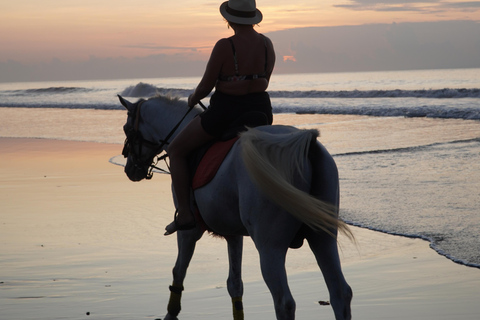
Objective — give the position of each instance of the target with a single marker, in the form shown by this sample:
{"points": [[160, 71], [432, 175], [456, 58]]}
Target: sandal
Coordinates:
{"points": [[175, 226]]}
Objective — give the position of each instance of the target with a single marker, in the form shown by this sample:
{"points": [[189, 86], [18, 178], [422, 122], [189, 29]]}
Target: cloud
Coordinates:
{"points": [[396, 46], [155, 47], [462, 5], [153, 66], [391, 2], [408, 5], [373, 47], [289, 58]]}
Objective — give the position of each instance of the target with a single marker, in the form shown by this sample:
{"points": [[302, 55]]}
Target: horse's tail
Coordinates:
{"points": [[273, 161]]}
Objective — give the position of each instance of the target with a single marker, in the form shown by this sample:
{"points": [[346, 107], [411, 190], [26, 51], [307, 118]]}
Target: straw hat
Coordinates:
{"points": [[241, 11]]}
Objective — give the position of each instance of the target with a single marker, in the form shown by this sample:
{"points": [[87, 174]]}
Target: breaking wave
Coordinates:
{"points": [[148, 90], [434, 103]]}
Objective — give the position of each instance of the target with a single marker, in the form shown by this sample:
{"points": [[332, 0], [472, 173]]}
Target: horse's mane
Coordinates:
{"points": [[164, 111], [166, 107], [168, 98]]}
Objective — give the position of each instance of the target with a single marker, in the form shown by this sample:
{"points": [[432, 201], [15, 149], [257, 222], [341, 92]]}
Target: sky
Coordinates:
{"points": [[104, 39]]}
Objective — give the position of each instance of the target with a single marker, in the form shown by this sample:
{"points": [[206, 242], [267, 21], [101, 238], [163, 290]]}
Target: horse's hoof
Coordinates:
{"points": [[170, 317]]}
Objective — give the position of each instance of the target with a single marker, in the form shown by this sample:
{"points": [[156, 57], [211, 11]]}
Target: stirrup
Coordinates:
{"points": [[177, 226]]}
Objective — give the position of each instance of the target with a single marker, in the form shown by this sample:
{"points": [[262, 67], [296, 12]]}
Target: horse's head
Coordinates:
{"points": [[151, 124], [138, 151]]}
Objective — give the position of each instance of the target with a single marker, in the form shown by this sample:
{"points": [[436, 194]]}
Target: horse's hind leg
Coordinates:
{"points": [[325, 249], [273, 270], [186, 241], [234, 281]]}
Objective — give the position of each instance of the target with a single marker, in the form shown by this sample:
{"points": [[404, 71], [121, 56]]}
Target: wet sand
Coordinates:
{"points": [[78, 240]]}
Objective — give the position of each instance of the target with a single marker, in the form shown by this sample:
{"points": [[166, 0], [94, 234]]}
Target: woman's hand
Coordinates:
{"points": [[191, 101]]}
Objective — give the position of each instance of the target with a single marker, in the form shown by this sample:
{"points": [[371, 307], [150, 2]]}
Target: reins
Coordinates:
{"points": [[163, 142], [153, 165], [166, 142]]}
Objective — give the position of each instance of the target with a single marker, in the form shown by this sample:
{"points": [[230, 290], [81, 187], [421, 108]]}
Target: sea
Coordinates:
{"points": [[407, 143]]}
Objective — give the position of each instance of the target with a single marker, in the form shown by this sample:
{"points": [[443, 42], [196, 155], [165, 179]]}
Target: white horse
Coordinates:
{"points": [[277, 185]]}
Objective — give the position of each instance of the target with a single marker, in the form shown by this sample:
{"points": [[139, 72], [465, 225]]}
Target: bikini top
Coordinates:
{"points": [[237, 76]]}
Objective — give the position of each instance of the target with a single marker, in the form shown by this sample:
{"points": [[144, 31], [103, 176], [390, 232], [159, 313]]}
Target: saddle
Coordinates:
{"points": [[204, 162]]}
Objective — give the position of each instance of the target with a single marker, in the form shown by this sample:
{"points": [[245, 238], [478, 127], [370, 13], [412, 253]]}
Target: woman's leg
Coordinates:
{"points": [[189, 139]]}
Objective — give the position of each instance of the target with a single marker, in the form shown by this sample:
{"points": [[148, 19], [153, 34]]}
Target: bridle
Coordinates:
{"points": [[134, 136]]}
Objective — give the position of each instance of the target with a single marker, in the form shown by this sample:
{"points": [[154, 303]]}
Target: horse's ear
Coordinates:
{"points": [[127, 104]]}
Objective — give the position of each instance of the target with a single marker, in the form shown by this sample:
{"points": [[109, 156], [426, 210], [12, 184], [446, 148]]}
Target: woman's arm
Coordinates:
{"points": [[271, 58], [212, 71]]}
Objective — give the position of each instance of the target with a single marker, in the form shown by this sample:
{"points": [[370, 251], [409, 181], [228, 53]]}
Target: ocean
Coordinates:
{"points": [[408, 156]]}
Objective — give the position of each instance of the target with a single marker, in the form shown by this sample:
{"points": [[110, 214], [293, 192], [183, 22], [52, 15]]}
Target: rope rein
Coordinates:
{"points": [[164, 142]]}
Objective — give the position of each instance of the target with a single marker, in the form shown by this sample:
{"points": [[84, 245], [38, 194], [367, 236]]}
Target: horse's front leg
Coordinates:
{"points": [[186, 241], [234, 281]]}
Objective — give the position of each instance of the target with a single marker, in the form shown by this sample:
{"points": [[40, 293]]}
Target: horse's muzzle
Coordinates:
{"points": [[134, 171]]}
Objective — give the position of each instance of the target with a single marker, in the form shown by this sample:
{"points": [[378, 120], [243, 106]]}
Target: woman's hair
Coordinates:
{"points": [[231, 24]]}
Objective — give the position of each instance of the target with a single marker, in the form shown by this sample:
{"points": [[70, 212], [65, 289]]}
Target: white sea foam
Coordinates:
{"points": [[459, 103]]}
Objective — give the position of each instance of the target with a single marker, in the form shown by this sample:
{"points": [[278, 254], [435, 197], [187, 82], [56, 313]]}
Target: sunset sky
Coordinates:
{"points": [[34, 32]]}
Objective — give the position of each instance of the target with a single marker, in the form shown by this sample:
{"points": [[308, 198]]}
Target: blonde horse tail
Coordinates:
{"points": [[273, 161]]}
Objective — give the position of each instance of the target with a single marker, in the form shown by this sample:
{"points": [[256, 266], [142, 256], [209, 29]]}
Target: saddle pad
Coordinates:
{"points": [[210, 162]]}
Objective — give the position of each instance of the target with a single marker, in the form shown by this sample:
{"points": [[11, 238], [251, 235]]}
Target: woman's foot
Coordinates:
{"points": [[181, 222]]}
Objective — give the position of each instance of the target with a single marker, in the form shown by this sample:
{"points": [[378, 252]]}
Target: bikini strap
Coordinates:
{"points": [[236, 61], [234, 56]]}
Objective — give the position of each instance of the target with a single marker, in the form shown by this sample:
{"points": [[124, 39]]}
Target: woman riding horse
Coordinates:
{"points": [[239, 68]]}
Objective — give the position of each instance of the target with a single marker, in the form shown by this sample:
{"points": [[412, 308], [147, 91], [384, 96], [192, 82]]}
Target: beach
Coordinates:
{"points": [[78, 240]]}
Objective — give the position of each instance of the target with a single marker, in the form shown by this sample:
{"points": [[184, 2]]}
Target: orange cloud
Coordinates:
{"points": [[289, 58]]}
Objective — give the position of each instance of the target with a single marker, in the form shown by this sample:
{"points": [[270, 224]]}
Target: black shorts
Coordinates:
{"points": [[225, 108]]}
